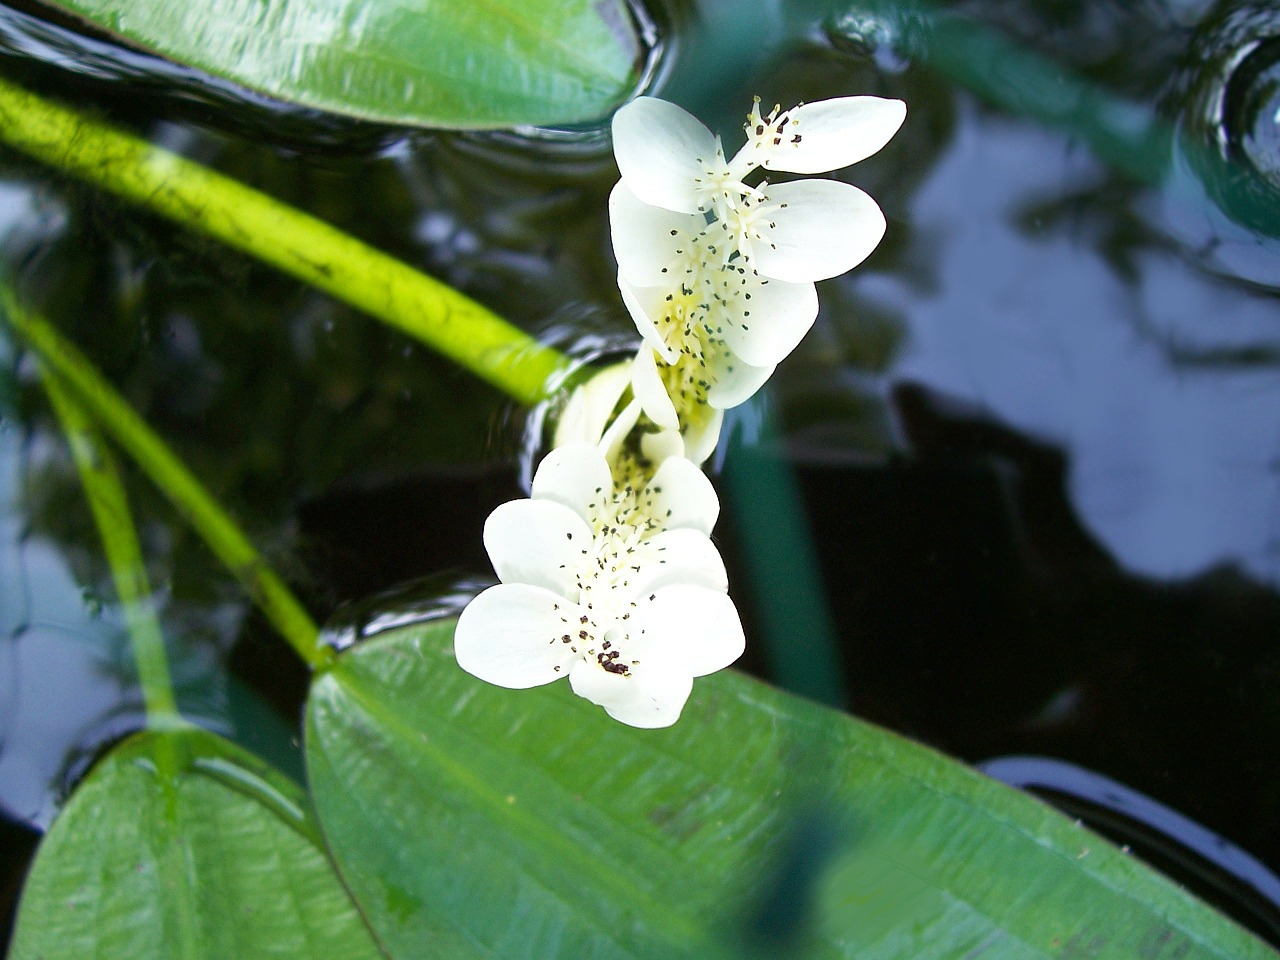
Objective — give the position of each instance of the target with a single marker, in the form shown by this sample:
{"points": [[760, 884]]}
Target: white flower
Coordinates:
{"points": [[716, 322], [696, 428], [617, 587], [800, 231]]}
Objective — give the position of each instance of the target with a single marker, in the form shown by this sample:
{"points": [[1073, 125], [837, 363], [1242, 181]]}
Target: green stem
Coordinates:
{"points": [[101, 480], [298, 244], [218, 530]]}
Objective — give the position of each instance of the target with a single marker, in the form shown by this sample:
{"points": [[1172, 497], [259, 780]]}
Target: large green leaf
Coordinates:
{"points": [[444, 63], [471, 821], [181, 845]]}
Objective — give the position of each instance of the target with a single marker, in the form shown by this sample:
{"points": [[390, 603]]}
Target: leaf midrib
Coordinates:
{"points": [[501, 811]]}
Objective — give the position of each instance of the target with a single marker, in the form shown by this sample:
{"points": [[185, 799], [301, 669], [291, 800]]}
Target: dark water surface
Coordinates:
{"points": [[1035, 438]]}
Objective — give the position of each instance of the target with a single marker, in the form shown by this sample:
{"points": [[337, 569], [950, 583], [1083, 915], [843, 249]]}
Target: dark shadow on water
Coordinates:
{"points": [[976, 614]]}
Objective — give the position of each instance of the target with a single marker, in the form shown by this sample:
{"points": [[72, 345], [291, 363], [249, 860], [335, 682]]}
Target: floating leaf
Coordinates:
{"points": [[493, 823], [179, 844], [496, 63]]}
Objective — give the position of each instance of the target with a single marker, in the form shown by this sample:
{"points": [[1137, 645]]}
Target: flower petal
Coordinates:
{"points": [[661, 152], [645, 303], [611, 443], [536, 542], [766, 328], [646, 238], [702, 432], [681, 496], [657, 447], [677, 557], [646, 698], [834, 133], [575, 476], [591, 405], [736, 382], [821, 228], [649, 389], [510, 636], [700, 625]]}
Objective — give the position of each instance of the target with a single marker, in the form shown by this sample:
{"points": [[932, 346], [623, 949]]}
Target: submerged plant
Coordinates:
{"points": [[608, 573]]}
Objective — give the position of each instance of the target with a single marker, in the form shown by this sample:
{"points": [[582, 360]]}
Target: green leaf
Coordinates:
{"points": [[471, 821], [469, 65], [181, 845]]}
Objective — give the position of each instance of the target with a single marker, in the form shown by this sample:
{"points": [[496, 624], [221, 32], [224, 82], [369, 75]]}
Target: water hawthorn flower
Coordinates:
{"points": [[616, 586], [608, 573], [718, 274]]}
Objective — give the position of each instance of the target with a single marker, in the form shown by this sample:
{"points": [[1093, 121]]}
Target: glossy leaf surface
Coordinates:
{"points": [[179, 844], [497, 823], [487, 63]]}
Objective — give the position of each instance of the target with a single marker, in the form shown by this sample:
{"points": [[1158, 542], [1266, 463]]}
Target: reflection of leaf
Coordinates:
{"points": [[496, 63], [180, 844], [489, 822]]}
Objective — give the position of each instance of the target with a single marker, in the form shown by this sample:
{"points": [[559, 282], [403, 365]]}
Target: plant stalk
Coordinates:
{"points": [[276, 233], [94, 395], [100, 478]]}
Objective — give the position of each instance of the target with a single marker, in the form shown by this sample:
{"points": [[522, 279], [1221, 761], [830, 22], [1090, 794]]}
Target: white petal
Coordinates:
{"points": [[611, 443], [575, 476], [834, 134], [536, 542], [645, 303], [680, 496], [576, 419], [736, 382], [591, 405], [702, 433], [657, 447], [661, 151], [701, 624], [647, 698], [649, 389], [646, 238], [766, 328], [677, 557], [825, 228], [510, 635]]}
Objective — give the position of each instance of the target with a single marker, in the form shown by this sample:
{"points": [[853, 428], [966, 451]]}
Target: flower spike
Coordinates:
{"points": [[608, 572]]}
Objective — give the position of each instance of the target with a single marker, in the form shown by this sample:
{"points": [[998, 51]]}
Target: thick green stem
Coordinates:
{"points": [[219, 531], [110, 506], [307, 248]]}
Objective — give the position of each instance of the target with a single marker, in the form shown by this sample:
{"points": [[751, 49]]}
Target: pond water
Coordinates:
{"points": [[1025, 471]]}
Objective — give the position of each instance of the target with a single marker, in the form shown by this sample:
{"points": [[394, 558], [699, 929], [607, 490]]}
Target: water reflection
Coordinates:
{"points": [[867, 33], [1222, 100], [1037, 322], [418, 601], [57, 657]]}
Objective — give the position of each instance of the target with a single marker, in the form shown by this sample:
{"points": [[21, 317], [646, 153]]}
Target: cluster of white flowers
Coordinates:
{"points": [[608, 572]]}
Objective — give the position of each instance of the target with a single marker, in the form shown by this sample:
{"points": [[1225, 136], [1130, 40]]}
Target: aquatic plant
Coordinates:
{"points": [[634, 608], [444, 816]]}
